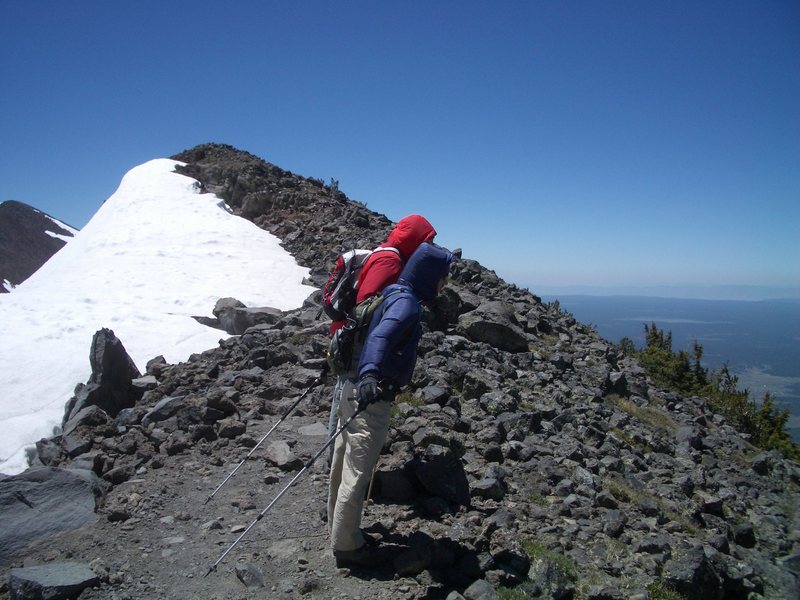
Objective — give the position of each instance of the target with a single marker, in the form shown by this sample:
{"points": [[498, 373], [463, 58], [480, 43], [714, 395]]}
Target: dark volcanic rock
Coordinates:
{"points": [[54, 581], [25, 244], [110, 386], [44, 501]]}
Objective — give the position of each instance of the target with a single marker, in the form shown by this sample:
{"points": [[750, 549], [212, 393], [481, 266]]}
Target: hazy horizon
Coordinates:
{"points": [[759, 341], [748, 293]]}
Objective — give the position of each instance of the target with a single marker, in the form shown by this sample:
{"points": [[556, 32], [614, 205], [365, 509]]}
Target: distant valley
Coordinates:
{"points": [[760, 340]]}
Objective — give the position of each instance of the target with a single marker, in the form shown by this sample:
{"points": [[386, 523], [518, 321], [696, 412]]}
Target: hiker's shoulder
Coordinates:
{"points": [[385, 255], [399, 290], [400, 297]]}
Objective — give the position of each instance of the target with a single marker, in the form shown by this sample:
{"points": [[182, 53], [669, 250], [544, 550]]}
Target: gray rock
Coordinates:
{"points": [[616, 383], [413, 561], [163, 410], [744, 535], [144, 384], [791, 562], [690, 573], [109, 386], [481, 590], [394, 485], [53, 581], [549, 578], [42, 502], [494, 323], [614, 523], [236, 318], [176, 442], [279, 454], [120, 474], [441, 473], [489, 487], [250, 575], [231, 428]]}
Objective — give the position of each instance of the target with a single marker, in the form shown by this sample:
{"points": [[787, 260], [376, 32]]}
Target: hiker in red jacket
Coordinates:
{"points": [[381, 270]]}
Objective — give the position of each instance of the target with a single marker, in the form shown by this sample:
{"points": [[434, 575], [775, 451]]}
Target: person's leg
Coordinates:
{"points": [[366, 434]]}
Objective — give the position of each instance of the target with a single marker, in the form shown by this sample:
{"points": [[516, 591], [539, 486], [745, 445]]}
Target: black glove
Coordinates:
{"points": [[368, 390]]}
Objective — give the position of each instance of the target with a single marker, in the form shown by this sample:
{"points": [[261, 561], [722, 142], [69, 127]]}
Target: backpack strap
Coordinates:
{"points": [[378, 249], [390, 248], [368, 306]]}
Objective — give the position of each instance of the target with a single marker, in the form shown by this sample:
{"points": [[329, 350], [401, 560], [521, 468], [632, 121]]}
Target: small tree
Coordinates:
{"points": [[765, 423], [770, 428]]}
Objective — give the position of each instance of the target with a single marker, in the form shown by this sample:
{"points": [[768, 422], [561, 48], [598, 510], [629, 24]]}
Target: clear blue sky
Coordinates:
{"points": [[560, 143]]}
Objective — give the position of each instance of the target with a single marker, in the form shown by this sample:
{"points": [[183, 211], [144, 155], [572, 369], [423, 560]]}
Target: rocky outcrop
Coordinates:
{"points": [[110, 388], [315, 222], [233, 317]]}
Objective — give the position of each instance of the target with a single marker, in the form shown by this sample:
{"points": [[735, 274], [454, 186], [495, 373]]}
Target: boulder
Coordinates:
{"points": [[163, 410], [279, 454], [441, 473], [494, 323], [236, 318], [42, 502], [54, 581], [250, 575], [110, 385], [549, 579], [481, 590], [691, 573], [81, 428]]}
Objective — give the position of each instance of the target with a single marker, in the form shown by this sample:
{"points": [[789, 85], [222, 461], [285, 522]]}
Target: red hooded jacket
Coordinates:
{"points": [[383, 268]]}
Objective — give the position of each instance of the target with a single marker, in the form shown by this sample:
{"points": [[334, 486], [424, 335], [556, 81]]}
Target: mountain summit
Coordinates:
{"points": [[28, 238], [527, 459]]}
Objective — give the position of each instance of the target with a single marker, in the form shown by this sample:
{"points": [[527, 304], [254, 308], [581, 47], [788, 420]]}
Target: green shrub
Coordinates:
{"points": [[660, 591], [765, 423], [506, 593], [536, 550], [653, 417]]}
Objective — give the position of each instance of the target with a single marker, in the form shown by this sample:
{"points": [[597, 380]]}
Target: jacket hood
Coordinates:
{"points": [[424, 269], [409, 233]]}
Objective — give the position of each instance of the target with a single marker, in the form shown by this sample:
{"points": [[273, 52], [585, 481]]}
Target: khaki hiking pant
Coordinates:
{"points": [[356, 452]]}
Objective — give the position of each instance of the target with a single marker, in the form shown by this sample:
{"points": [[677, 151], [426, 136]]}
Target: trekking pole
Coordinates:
{"points": [[283, 491], [320, 378]]}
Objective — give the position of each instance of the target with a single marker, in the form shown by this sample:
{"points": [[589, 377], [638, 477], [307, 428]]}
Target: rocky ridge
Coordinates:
{"points": [[27, 240], [526, 454]]}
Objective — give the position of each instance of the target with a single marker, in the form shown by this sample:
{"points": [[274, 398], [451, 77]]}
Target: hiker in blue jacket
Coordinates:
{"points": [[386, 365]]}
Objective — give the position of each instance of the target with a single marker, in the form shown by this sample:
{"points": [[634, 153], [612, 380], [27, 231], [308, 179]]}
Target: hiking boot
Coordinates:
{"points": [[366, 556], [370, 540]]}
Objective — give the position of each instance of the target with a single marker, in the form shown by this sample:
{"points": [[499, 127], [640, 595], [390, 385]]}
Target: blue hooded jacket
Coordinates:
{"points": [[390, 348]]}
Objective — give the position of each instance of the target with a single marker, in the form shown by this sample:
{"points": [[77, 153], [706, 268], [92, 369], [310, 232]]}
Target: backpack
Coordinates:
{"points": [[339, 293], [346, 342]]}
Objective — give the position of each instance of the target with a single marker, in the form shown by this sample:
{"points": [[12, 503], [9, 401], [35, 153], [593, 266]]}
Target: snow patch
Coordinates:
{"points": [[156, 253]]}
